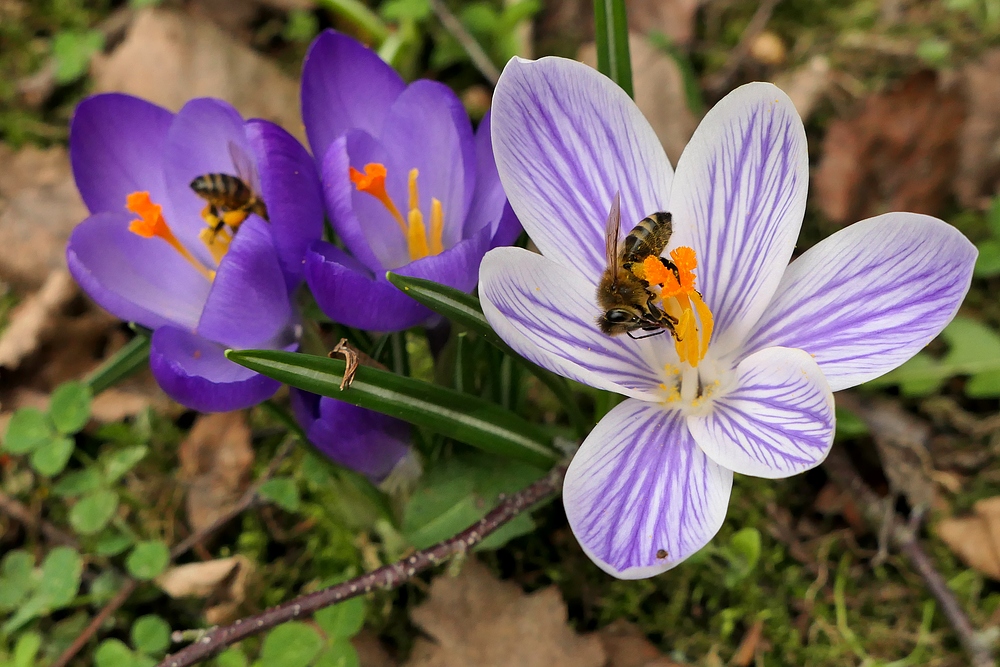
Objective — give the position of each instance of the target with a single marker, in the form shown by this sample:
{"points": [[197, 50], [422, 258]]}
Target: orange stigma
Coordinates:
{"points": [[419, 242], [152, 224], [680, 299]]}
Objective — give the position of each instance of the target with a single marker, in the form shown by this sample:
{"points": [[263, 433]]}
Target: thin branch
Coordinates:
{"points": [[244, 503], [386, 577], [19, 512], [756, 26], [476, 53], [842, 471]]}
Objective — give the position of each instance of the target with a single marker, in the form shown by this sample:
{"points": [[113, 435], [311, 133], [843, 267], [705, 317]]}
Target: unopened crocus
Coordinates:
{"points": [[150, 253], [363, 440], [407, 185], [746, 385]]}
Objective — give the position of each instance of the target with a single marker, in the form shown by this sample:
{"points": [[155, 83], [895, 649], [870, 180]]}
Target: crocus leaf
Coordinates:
{"points": [[120, 365], [611, 30], [465, 309], [462, 417], [974, 350]]}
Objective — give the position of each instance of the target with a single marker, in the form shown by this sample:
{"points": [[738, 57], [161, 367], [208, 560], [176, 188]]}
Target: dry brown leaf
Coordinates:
{"points": [[33, 321], [39, 206], [673, 18], [371, 653], [627, 646], [223, 581], [169, 57], [474, 619], [659, 93], [978, 174], [806, 85], [898, 154], [215, 463], [976, 539]]}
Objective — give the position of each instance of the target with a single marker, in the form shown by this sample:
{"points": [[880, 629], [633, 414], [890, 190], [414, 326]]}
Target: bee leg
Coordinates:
{"points": [[656, 332], [673, 267]]}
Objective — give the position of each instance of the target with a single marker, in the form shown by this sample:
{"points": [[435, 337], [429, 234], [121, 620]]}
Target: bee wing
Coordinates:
{"points": [[611, 231], [246, 171]]}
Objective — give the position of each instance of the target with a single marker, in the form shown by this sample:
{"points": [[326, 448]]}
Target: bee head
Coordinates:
{"points": [[616, 321]]}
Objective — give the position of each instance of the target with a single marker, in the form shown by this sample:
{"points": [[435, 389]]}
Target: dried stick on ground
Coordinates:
{"points": [[130, 584], [479, 57], [386, 577], [904, 536], [22, 514]]}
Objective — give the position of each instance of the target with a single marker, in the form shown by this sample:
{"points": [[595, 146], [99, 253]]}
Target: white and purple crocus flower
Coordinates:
{"points": [[764, 343], [144, 255], [408, 186]]}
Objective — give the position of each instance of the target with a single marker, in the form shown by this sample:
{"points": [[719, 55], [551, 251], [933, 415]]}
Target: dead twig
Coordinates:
{"points": [[905, 537], [19, 512], [722, 80], [351, 359], [477, 55], [386, 577], [130, 585]]}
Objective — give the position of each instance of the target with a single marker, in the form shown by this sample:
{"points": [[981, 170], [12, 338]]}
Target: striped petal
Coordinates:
{"points": [[869, 297], [548, 313], [775, 422], [738, 200], [640, 495], [566, 139]]}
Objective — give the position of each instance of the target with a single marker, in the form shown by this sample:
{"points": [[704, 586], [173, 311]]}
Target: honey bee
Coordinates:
{"points": [[231, 199], [627, 300]]}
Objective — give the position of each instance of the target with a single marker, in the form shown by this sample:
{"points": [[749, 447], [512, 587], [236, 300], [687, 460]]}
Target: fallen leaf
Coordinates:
{"points": [[118, 403], [222, 582], [33, 321], [750, 646], [898, 154], [673, 18], [474, 619], [976, 539], [371, 653], [659, 93], [627, 646], [169, 57], [978, 175], [806, 85], [215, 463], [39, 206]]}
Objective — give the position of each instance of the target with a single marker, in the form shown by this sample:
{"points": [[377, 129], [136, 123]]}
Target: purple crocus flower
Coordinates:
{"points": [[408, 186], [363, 440], [147, 254], [763, 343]]}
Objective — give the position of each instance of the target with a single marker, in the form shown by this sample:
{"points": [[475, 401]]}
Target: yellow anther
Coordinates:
{"points": [[437, 226], [416, 236], [152, 224]]}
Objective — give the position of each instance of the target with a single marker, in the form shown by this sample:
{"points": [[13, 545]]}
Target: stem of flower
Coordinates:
{"points": [[386, 577]]}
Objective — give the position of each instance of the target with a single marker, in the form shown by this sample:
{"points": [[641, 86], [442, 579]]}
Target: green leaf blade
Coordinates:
{"points": [[611, 32], [120, 365], [456, 415]]}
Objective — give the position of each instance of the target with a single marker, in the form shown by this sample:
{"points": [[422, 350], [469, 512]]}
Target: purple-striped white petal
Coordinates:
{"points": [[566, 139], [738, 200], [640, 495], [775, 422], [869, 297], [548, 314]]}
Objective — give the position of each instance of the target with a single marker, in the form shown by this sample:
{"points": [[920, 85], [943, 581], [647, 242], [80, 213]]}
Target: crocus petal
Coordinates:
{"points": [[489, 199], [508, 229], [361, 222], [566, 140], [195, 372], [290, 186], [548, 314], [456, 267], [115, 146], [869, 297], [349, 294], [137, 279], [248, 306], [738, 200], [362, 440], [428, 129], [640, 495], [776, 421], [344, 85]]}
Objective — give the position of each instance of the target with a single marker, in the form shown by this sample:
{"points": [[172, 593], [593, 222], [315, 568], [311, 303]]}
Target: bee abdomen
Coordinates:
{"points": [[649, 237]]}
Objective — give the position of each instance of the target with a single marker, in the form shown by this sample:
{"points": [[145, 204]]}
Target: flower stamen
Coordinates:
{"points": [[152, 224], [419, 243], [675, 282]]}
